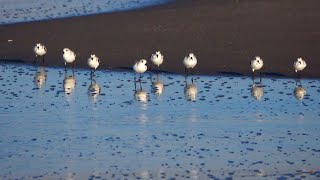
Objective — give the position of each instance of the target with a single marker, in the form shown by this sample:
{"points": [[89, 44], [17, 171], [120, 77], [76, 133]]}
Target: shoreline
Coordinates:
{"points": [[224, 35], [264, 75]]}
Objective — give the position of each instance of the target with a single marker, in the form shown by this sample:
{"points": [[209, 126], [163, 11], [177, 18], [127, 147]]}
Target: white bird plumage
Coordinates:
{"points": [[157, 58], [256, 64], [140, 66], [190, 61], [299, 64], [93, 62], [40, 49], [69, 56]]}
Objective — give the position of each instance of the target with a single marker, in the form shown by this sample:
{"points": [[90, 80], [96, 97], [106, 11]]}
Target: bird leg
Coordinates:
{"points": [[186, 71], [35, 59], [299, 75], [260, 78], [43, 58]]}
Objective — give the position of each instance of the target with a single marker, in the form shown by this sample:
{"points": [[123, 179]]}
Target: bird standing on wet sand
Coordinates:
{"points": [[299, 65], [189, 62], [140, 66], [256, 64], [157, 58], [40, 50], [93, 62], [69, 57]]}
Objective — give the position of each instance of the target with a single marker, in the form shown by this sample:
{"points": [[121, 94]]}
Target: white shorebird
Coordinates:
{"points": [[93, 62], [299, 65], [256, 64], [157, 58], [40, 50], [190, 62], [140, 66], [69, 57]]}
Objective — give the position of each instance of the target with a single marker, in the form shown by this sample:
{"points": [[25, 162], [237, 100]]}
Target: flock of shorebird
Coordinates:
{"points": [[190, 61]]}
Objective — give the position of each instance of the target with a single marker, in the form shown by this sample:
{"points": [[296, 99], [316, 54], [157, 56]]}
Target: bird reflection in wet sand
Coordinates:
{"points": [[157, 86], [94, 89], [190, 90], [69, 85], [257, 90], [299, 91], [140, 94], [40, 77]]}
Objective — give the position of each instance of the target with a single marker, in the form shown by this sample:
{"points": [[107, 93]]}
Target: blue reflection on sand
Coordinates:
{"points": [[56, 124]]}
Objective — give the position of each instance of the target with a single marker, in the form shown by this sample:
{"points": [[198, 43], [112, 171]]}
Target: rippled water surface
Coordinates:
{"points": [[13, 11], [59, 125]]}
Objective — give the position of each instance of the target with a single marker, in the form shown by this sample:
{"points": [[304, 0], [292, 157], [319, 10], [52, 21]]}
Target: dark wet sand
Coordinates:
{"points": [[224, 34]]}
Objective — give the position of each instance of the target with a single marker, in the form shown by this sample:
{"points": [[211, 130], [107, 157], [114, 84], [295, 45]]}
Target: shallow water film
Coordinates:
{"points": [[14, 11], [57, 124]]}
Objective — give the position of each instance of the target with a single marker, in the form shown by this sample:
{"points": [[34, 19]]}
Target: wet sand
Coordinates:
{"points": [[55, 125], [224, 35]]}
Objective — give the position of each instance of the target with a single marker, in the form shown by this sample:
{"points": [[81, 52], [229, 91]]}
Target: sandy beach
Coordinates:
{"points": [[224, 34]]}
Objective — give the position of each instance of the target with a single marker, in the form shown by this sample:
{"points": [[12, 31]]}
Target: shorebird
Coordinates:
{"points": [[256, 64], [299, 65], [140, 66], [93, 62], [69, 57], [40, 50], [189, 62], [157, 58]]}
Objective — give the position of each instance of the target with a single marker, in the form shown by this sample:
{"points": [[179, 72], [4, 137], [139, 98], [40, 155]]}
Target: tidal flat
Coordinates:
{"points": [[57, 124]]}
